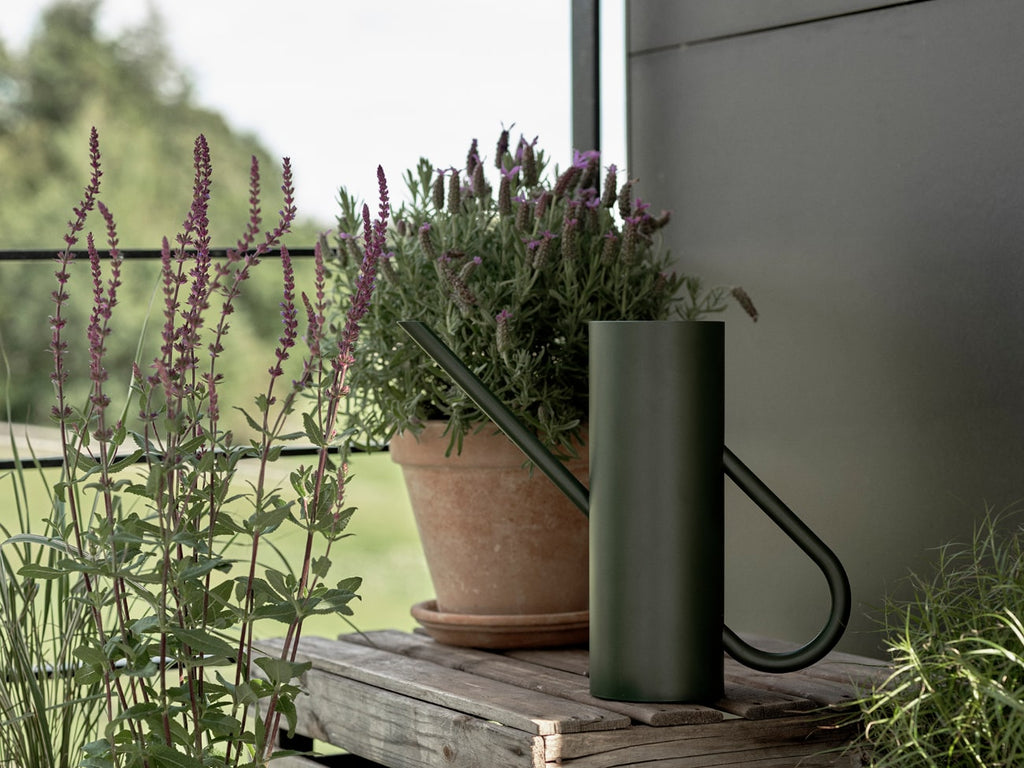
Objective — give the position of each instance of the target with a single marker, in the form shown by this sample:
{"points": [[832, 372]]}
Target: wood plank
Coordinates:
{"points": [[573, 660], [510, 669], [754, 703], [819, 691], [402, 732], [510, 705], [786, 742]]}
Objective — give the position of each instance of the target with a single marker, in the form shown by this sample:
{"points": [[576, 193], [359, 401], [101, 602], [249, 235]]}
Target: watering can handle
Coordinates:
{"points": [[824, 558]]}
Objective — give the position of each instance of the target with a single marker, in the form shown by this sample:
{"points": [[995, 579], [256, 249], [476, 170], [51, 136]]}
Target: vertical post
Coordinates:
{"points": [[586, 75]]}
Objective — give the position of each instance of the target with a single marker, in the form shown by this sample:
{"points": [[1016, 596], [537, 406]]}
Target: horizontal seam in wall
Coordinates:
{"points": [[774, 28]]}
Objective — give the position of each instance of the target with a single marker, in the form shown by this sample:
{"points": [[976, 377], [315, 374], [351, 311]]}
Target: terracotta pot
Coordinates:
{"points": [[498, 538]]}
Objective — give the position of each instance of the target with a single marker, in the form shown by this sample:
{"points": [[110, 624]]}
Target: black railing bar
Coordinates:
{"points": [[50, 462], [44, 254]]}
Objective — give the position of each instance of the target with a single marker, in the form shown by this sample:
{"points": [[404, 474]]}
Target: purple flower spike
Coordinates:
{"points": [[581, 160]]}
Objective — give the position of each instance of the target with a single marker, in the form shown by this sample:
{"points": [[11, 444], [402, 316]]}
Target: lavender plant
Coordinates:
{"points": [[509, 281], [171, 611]]}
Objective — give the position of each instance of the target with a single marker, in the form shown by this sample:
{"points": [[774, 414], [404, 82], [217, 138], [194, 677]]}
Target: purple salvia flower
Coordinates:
{"points": [[98, 330], [289, 315], [58, 346], [374, 239]]}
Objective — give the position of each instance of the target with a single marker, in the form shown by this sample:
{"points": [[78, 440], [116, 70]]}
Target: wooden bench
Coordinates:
{"points": [[405, 701]]}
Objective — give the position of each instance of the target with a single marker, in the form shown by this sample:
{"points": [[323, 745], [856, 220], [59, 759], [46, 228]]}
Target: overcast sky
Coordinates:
{"points": [[341, 86]]}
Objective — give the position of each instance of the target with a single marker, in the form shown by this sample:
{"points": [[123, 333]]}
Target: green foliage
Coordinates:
{"points": [[508, 279], [68, 79], [956, 696], [45, 714], [159, 553]]}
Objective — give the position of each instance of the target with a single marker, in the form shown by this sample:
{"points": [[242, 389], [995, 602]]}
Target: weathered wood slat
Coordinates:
{"points": [[404, 732], [573, 660], [784, 742], [818, 692], [756, 703], [489, 699], [509, 668]]}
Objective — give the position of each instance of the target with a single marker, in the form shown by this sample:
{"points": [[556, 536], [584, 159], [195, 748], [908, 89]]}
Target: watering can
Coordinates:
{"points": [[656, 509]]}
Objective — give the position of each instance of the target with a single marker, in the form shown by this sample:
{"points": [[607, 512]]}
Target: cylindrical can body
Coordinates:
{"points": [[656, 510]]}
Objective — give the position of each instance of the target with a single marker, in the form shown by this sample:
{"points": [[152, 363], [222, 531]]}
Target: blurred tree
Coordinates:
{"points": [[68, 79]]}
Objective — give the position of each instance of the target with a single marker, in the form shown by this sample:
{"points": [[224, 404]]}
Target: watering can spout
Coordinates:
{"points": [[497, 412]]}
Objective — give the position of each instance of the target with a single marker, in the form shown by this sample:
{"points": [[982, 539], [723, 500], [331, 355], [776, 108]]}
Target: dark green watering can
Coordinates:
{"points": [[656, 507]]}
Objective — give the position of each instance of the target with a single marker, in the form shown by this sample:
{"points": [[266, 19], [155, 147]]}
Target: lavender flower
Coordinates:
{"points": [[524, 215], [437, 191], [503, 336], [455, 191], [501, 149], [480, 188], [531, 173], [608, 194], [610, 248], [569, 227], [626, 199], [744, 300], [426, 242]]}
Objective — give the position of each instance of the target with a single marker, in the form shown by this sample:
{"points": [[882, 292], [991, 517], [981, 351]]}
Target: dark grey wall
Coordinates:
{"points": [[861, 176]]}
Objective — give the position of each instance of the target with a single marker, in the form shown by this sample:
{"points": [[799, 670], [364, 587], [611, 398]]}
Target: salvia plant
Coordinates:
{"points": [[956, 694], [508, 271], [148, 522]]}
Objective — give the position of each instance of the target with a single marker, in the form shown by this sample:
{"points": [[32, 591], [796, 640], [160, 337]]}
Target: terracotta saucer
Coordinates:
{"points": [[545, 630]]}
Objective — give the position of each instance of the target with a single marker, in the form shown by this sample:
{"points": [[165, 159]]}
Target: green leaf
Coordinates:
{"points": [[90, 655], [321, 566], [202, 642], [167, 757], [38, 571], [313, 431], [281, 671]]}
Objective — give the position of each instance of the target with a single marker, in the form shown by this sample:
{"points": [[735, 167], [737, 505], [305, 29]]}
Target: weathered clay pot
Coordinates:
{"points": [[498, 538]]}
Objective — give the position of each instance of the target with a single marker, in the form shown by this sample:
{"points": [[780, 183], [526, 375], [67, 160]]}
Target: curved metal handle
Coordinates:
{"points": [[824, 558]]}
